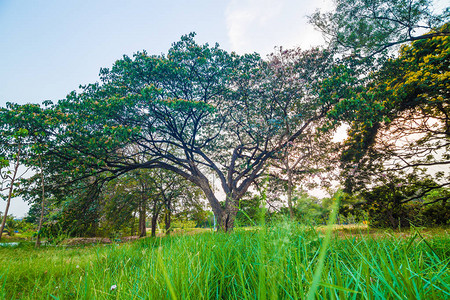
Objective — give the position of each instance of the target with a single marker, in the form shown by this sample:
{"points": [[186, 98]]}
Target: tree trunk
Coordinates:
{"points": [[142, 217], [11, 188], [38, 239], [168, 217], [218, 211], [226, 220], [289, 194], [155, 215], [290, 185], [154, 219]]}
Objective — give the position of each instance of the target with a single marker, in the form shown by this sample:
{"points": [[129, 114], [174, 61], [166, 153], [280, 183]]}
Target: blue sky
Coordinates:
{"points": [[48, 48]]}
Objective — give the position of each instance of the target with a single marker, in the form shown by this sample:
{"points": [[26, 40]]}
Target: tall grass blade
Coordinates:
{"points": [[323, 251]]}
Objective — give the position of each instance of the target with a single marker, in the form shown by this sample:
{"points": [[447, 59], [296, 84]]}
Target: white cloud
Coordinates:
{"points": [[260, 25]]}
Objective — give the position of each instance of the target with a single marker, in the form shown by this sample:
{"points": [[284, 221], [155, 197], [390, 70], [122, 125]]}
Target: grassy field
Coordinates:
{"points": [[278, 262]]}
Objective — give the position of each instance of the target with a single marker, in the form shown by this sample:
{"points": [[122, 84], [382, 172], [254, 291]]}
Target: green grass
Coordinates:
{"points": [[276, 262]]}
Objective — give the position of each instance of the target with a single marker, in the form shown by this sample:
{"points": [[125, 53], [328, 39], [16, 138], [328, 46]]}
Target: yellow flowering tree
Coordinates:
{"points": [[400, 124]]}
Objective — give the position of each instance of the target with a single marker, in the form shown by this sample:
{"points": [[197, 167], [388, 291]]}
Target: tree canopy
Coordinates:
{"points": [[196, 111], [401, 122], [369, 27]]}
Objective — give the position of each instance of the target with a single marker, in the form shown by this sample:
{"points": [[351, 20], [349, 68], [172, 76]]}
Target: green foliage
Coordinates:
{"points": [[397, 204], [352, 209], [199, 110], [398, 112], [23, 126], [383, 214], [77, 213], [369, 27], [183, 224], [14, 225], [399, 124], [4, 163], [11, 225], [249, 211], [90, 208], [311, 210]]}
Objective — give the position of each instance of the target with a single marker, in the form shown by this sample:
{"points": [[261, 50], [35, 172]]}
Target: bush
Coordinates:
{"points": [[385, 207], [183, 224], [435, 214], [382, 215]]}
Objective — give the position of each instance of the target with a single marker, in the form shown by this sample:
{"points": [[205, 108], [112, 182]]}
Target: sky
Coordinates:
{"points": [[48, 48]]}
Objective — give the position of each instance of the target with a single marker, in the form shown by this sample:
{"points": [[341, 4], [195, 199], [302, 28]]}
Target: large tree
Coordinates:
{"points": [[398, 115], [409, 125], [197, 111]]}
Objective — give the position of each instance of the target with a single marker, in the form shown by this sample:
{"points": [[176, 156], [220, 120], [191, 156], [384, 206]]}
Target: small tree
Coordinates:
{"points": [[9, 177], [26, 128]]}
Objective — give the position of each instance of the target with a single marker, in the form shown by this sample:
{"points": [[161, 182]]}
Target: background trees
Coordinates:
{"points": [[9, 177], [369, 27], [23, 132], [15, 149], [398, 115]]}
